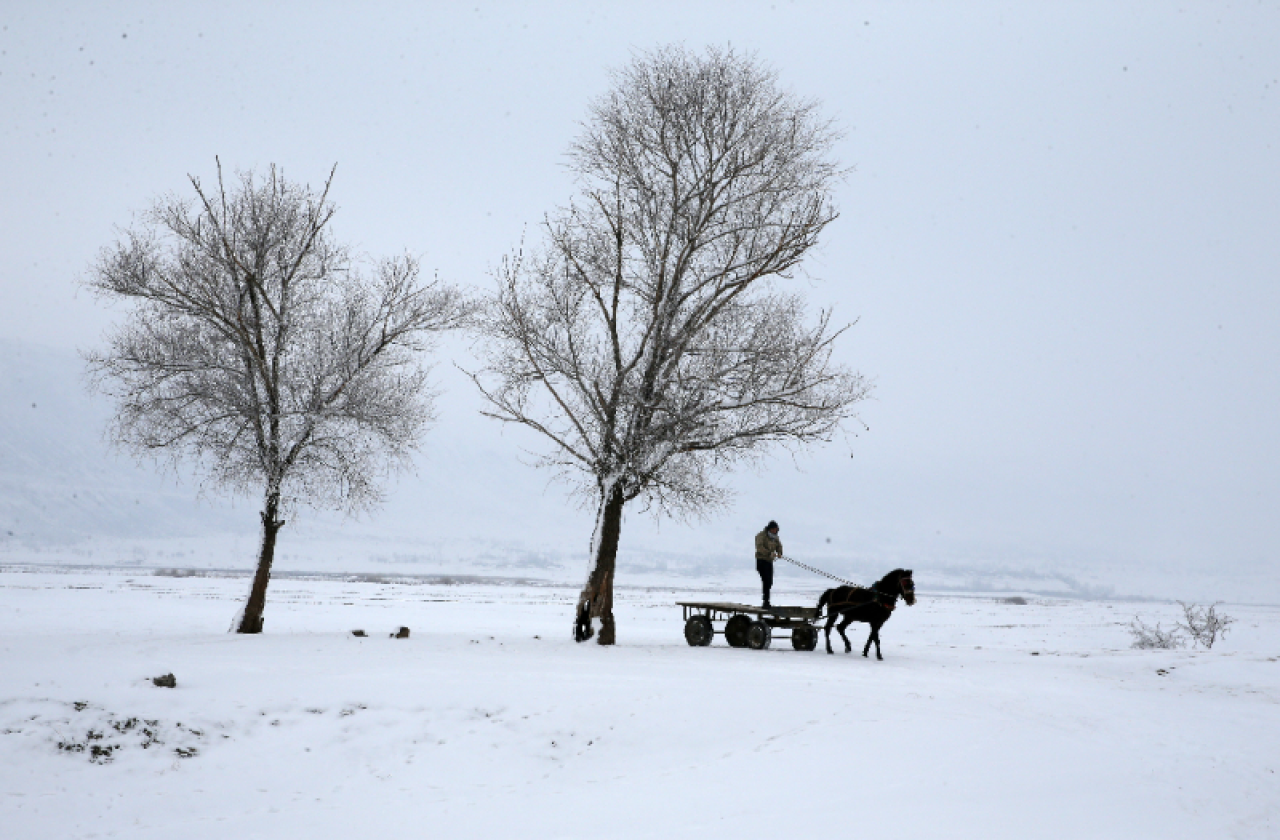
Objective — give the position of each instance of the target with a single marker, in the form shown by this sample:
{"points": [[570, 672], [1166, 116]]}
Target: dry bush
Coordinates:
{"points": [[1146, 637], [1203, 624]]}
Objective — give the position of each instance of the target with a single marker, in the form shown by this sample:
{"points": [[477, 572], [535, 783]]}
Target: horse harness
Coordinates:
{"points": [[875, 599], [877, 595]]}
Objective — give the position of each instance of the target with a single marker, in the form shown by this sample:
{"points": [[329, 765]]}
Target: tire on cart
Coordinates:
{"points": [[736, 629], [804, 638], [759, 635], [698, 631]]}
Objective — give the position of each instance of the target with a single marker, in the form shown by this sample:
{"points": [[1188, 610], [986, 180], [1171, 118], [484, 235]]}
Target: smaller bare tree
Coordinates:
{"points": [[1146, 637], [258, 351], [1203, 624]]}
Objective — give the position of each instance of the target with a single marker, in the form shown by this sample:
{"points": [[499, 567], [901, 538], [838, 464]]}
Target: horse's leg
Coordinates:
{"points": [[873, 636], [848, 648], [831, 619]]}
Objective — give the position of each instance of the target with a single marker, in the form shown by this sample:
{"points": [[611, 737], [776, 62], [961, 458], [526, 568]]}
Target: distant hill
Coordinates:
{"points": [[470, 507], [59, 479]]}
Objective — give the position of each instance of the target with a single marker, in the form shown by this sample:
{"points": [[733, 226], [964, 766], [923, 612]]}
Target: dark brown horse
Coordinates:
{"points": [[874, 606]]}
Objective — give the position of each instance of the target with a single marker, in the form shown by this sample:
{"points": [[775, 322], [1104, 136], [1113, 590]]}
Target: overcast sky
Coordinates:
{"points": [[1060, 238]]}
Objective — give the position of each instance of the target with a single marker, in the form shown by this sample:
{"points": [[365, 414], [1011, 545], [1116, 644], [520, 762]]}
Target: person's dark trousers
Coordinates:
{"points": [[765, 568]]}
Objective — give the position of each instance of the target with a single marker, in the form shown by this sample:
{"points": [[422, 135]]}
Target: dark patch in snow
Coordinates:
{"points": [[101, 736]]}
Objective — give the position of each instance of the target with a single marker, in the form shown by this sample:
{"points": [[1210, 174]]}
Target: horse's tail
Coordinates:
{"points": [[826, 598]]}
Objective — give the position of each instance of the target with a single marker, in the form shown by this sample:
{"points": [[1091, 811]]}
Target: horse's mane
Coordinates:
{"points": [[891, 578]]}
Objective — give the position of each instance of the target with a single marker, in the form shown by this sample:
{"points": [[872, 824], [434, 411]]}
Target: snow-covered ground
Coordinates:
{"points": [[986, 719]]}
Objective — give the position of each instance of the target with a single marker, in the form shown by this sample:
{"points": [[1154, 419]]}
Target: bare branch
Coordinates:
{"points": [[703, 184], [259, 351]]}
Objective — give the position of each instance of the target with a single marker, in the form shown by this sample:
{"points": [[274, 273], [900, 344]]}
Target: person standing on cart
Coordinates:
{"points": [[768, 549]]}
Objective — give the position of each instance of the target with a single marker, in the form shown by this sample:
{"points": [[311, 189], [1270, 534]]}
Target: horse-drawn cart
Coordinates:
{"points": [[747, 626]]}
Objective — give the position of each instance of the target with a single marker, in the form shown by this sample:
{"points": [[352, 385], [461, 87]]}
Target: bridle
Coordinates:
{"points": [[908, 595]]}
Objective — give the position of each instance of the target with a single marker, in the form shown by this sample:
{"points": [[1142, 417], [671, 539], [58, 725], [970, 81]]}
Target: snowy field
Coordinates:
{"points": [[986, 719]]}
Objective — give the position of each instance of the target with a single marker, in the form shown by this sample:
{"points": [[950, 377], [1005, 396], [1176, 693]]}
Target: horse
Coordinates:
{"points": [[874, 606]]}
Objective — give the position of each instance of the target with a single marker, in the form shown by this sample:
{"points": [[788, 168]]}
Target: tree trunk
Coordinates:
{"points": [[251, 621], [596, 600]]}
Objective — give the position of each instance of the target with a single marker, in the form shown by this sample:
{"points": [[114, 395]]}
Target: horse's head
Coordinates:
{"points": [[908, 587]]}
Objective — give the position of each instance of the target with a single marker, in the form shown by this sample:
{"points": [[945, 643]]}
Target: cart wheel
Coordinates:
{"points": [[804, 638], [697, 631], [759, 635], [736, 629]]}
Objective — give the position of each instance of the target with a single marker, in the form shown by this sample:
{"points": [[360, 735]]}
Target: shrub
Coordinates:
{"points": [[1204, 624], [1146, 637]]}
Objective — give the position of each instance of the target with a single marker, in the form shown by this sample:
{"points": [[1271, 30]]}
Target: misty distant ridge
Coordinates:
{"points": [[67, 499], [59, 481]]}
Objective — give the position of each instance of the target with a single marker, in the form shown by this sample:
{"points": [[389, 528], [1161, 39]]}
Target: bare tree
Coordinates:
{"points": [[259, 351], [646, 339]]}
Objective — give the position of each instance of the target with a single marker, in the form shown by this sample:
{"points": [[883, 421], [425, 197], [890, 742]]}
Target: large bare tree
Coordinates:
{"points": [[258, 350], [648, 338]]}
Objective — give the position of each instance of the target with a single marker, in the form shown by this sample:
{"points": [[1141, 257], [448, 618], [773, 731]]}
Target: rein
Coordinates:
{"points": [[889, 607], [820, 572]]}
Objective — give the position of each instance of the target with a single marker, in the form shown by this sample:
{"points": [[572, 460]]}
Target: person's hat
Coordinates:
{"points": [[772, 526]]}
